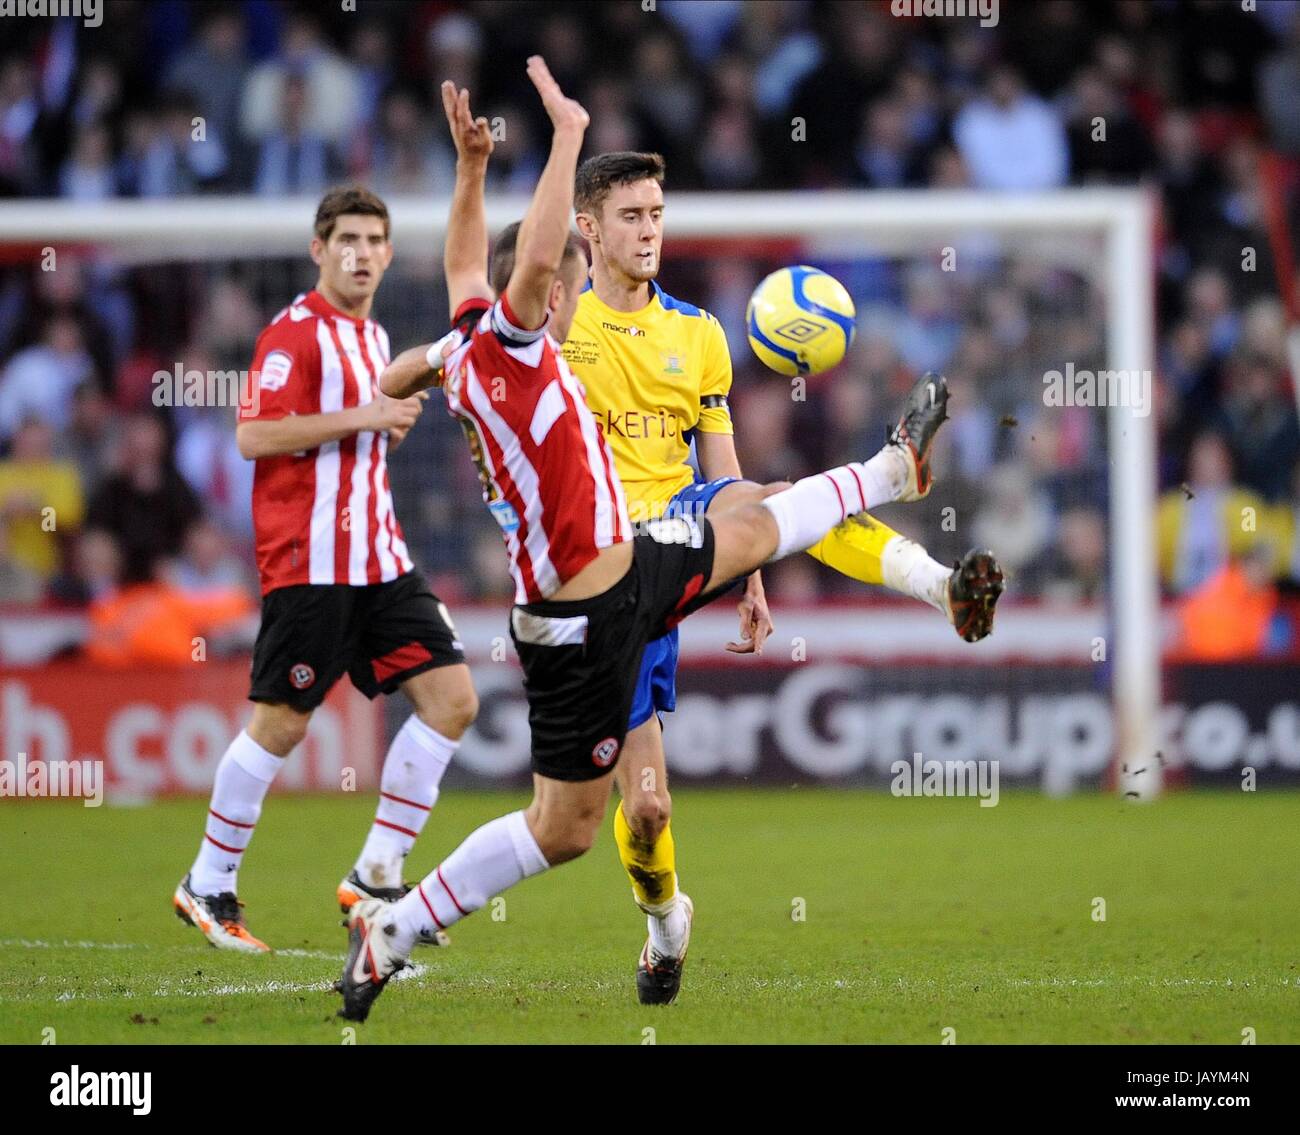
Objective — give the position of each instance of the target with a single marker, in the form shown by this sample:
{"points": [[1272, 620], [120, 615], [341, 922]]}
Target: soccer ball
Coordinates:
{"points": [[800, 321]]}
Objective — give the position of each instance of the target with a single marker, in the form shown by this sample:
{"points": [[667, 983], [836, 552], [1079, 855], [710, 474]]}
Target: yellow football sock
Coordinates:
{"points": [[652, 867], [855, 547]]}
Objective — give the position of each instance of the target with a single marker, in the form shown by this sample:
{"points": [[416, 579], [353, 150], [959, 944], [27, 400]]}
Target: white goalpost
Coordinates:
{"points": [[199, 228]]}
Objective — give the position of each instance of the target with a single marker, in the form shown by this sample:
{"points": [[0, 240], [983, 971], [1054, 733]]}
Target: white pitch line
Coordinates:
{"points": [[417, 971], [258, 987], [837, 983], [228, 989], [68, 944], [322, 955]]}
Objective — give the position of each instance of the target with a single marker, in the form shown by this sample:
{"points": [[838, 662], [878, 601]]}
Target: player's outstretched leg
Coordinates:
{"points": [[809, 512], [796, 518], [865, 549]]}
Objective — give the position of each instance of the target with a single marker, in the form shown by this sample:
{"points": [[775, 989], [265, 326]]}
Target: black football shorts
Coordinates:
{"points": [[379, 635], [581, 657]]}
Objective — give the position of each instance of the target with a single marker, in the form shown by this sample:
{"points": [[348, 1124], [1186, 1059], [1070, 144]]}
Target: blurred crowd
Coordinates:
{"points": [[269, 98]]}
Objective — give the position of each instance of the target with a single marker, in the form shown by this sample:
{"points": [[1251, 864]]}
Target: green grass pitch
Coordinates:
{"points": [[920, 915]]}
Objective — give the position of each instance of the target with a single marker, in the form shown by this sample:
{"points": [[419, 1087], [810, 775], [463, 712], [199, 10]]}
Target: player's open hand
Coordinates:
{"points": [[472, 136], [755, 619], [567, 115]]}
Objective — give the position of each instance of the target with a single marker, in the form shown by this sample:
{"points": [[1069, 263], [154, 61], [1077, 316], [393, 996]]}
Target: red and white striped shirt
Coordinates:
{"points": [[548, 475], [324, 515]]}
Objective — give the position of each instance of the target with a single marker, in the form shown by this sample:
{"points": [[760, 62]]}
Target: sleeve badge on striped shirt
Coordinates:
{"points": [[275, 370]]}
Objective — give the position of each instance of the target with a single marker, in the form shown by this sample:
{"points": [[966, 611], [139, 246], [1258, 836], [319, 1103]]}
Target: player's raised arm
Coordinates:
{"points": [[545, 227], [465, 254]]}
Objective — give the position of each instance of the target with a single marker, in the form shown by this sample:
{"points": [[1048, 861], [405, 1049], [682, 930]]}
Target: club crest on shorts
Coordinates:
{"points": [[603, 754], [301, 676]]}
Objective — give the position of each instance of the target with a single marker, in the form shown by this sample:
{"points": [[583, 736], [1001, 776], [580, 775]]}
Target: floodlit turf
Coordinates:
{"points": [[920, 915]]}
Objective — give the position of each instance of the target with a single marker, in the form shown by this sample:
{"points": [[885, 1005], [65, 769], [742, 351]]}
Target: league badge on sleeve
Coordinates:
{"points": [[275, 370]]}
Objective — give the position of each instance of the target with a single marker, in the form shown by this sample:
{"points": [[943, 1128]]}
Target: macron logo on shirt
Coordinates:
{"points": [[635, 332]]}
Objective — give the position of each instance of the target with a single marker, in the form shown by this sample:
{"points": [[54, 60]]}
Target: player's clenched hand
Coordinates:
{"points": [[396, 415], [567, 115], [472, 136], [755, 619]]}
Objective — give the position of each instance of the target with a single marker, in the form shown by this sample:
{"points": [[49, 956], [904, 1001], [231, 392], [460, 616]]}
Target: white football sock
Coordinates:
{"points": [[667, 924], [413, 769], [810, 508], [908, 569], [243, 776], [494, 857]]}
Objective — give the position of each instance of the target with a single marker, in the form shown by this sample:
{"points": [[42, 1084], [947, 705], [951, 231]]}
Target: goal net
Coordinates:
{"points": [[1039, 308]]}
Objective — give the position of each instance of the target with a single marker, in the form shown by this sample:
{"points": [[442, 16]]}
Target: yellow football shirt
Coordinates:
{"points": [[651, 377]]}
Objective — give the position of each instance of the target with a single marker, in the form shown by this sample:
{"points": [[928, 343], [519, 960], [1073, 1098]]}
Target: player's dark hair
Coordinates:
{"points": [[598, 175], [348, 199], [502, 261]]}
